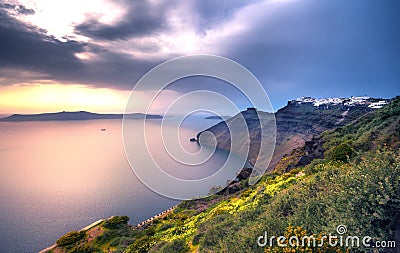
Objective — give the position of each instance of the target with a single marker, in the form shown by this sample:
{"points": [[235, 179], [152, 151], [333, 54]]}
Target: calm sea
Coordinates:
{"points": [[61, 176]]}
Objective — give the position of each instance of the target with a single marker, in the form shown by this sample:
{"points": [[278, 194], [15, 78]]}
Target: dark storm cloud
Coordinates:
{"points": [[211, 13], [26, 47], [142, 18], [28, 55], [21, 9], [25, 11], [323, 48], [114, 70]]}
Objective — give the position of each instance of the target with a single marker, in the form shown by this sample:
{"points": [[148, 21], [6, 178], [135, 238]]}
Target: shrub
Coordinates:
{"points": [[165, 226], [176, 246], [141, 245], [373, 194], [158, 246], [343, 152], [70, 238], [114, 242], [108, 235], [82, 248], [196, 238], [115, 221]]}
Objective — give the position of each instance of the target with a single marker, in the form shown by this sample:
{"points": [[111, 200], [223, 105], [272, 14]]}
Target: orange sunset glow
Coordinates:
{"points": [[55, 97]]}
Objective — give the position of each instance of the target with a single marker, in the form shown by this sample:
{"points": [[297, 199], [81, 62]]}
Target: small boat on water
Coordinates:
{"points": [[103, 129]]}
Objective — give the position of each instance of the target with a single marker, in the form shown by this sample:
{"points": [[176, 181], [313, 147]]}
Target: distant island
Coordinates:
{"points": [[81, 115]]}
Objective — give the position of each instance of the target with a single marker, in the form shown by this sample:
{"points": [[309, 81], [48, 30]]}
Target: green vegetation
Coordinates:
{"points": [[177, 246], [381, 128], [70, 238], [357, 185], [113, 234], [82, 248], [115, 221], [141, 245], [343, 152]]}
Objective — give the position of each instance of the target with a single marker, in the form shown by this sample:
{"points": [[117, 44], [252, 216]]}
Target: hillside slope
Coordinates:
{"points": [[356, 185], [296, 123]]}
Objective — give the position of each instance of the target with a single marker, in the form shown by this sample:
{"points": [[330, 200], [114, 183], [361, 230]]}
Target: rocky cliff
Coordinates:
{"points": [[298, 122]]}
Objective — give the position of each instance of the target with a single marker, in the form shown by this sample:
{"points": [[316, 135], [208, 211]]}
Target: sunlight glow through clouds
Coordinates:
{"points": [[40, 98], [59, 17], [181, 37], [86, 56]]}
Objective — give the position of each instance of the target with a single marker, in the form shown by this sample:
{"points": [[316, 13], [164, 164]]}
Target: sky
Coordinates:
{"points": [[88, 55]]}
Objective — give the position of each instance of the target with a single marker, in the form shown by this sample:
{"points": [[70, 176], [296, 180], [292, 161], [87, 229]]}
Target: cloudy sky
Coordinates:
{"points": [[87, 55]]}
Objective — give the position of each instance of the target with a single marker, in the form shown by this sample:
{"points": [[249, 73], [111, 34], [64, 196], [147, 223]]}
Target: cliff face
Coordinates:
{"points": [[236, 128], [296, 124]]}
